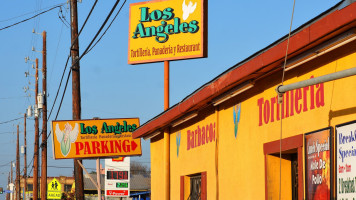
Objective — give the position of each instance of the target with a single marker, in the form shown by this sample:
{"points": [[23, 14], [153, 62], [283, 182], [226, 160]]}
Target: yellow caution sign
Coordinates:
{"points": [[54, 189]]}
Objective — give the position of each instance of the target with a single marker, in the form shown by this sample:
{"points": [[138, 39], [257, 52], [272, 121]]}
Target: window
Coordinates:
{"points": [[193, 187], [29, 187], [67, 188]]}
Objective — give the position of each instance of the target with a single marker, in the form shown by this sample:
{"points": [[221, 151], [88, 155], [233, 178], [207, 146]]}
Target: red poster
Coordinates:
{"points": [[318, 164], [117, 192]]}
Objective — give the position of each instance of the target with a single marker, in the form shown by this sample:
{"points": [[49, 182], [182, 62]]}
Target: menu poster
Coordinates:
{"points": [[318, 154], [346, 161]]}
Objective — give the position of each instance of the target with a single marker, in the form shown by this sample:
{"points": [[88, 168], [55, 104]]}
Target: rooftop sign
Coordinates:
{"points": [[95, 138], [166, 30]]}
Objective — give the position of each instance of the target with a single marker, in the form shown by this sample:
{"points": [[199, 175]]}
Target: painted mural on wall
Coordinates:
{"points": [[178, 137], [318, 164], [345, 161], [237, 113]]}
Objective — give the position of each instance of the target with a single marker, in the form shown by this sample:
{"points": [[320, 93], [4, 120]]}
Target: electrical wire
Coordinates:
{"points": [[107, 28], [11, 120], [6, 27], [98, 32], [280, 137], [30, 13]]}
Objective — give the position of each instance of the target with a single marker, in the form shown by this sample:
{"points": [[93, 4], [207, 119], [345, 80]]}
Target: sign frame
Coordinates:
{"points": [[101, 157], [336, 154], [331, 160], [203, 36]]}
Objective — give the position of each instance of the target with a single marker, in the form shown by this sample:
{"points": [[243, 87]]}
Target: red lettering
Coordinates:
{"points": [[192, 140], [214, 131], [87, 148], [278, 109], [199, 136], [117, 146], [312, 102], [96, 147], [286, 102], [207, 134], [188, 139], [266, 112], [305, 100], [111, 146], [211, 133], [291, 103], [203, 136], [126, 145], [260, 103], [273, 102], [104, 146], [298, 96], [78, 147]]}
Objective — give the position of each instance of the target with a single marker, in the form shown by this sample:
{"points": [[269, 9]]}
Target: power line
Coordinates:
{"points": [[107, 27], [11, 120], [6, 27], [98, 32], [30, 13]]}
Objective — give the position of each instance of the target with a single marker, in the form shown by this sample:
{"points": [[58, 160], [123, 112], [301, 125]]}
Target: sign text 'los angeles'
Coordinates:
{"points": [[166, 30], [95, 138]]}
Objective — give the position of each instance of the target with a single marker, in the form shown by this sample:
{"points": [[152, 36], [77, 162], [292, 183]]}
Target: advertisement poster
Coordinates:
{"points": [[117, 179], [95, 138], [167, 30], [318, 154], [346, 161]]}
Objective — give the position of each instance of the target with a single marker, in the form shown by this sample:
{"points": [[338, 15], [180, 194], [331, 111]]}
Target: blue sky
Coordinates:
{"points": [[110, 88]]}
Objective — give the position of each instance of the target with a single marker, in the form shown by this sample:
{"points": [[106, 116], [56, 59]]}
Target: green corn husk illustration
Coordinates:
{"points": [[66, 137], [237, 113], [178, 142]]}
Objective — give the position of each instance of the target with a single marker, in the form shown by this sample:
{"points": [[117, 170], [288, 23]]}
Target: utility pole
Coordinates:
{"points": [[76, 100], [8, 187], [18, 186], [36, 153], [44, 120], [25, 159], [12, 182]]}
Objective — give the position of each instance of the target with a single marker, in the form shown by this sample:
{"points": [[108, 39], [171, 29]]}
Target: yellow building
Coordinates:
{"points": [[223, 140]]}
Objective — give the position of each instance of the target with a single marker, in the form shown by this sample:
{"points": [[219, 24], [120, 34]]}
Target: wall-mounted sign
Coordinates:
{"points": [[117, 179], [95, 138], [346, 160], [54, 189], [167, 30], [318, 166]]}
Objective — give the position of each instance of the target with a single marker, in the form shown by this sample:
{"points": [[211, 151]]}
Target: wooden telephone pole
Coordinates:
{"points": [[44, 120], [25, 159], [76, 99], [18, 186], [8, 187], [36, 153]]}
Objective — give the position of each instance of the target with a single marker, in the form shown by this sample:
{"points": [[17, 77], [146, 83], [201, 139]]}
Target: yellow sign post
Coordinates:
{"points": [[54, 190], [95, 138], [167, 30]]}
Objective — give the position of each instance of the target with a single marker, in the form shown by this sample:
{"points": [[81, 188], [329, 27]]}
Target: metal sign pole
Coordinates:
{"points": [[98, 177]]}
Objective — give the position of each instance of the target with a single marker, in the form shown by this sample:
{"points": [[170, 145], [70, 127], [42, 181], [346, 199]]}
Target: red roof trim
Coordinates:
{"points": [[321, 30]]}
